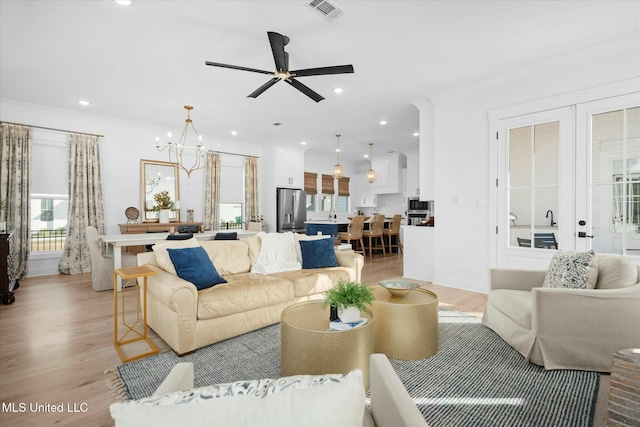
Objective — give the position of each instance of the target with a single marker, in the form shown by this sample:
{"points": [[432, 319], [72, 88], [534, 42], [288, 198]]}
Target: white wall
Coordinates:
{"points": [[462, 175]]}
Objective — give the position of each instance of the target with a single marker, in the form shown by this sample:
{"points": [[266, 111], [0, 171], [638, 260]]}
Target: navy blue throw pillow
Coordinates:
{"points": [[318, 253], [195, 266]]}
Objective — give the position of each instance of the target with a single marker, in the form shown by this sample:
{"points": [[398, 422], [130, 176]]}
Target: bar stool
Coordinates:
{"points": [[394, 230], [375, 231]]}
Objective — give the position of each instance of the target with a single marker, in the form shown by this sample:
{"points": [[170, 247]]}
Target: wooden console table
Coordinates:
{"points": [[152, 227]]}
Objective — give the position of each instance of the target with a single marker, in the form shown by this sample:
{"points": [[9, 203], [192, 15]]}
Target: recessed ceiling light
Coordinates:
{"points": [[338, 90], [124, 2], [416, 134], [233, 132], [303, 143], [383, 122], [84, 103], [366, 156]]}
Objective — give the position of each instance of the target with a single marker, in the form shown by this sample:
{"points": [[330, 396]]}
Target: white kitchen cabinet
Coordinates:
{"points": [[362, 195], [389, 171], [288, 167], [412, 177]]}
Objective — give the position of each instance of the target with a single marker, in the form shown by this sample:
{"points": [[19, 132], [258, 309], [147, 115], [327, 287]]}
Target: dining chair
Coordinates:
{"points": [[354, 233], [375, 231], [101, 263], [394, 230]]}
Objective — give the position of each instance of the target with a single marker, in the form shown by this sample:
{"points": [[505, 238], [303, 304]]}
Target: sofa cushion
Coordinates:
{"points": [[243, 292], [277, 253], [316, 281], [318, 254], [616, 271], [229, 256], [576, 270], [516, 305], [163, 260], [329, 400], [194, 265]]}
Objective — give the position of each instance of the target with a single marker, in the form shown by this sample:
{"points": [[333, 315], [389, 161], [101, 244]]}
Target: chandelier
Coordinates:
{"points": [[371, 174], [338, 172], [176, 150]]}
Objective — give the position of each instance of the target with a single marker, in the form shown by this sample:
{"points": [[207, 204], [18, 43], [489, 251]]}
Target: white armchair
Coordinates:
{"points": [[561, 328], [102, 264]]}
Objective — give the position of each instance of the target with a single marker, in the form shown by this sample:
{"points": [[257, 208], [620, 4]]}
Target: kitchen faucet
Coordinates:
{"points": [[547, 216]]}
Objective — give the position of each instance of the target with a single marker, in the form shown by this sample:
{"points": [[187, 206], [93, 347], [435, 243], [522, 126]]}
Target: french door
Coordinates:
{"points": [[569, 179]]}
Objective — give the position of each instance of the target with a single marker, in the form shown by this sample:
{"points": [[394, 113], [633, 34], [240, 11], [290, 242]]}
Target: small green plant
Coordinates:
{"points": [[349, 294], [163, 201]]}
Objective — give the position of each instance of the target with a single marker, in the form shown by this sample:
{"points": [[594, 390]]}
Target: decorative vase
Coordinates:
{"points": [[163, 215], [349, 314]]}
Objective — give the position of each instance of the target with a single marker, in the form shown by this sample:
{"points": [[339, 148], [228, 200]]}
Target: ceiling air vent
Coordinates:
{"points": [[328, 10]]}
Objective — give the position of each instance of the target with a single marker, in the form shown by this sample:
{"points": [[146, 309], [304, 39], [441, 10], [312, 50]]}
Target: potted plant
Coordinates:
{"points": [[349, 298], [163, 205]]}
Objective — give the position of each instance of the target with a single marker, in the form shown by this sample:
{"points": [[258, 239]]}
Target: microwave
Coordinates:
{"points": [[416, 205]]}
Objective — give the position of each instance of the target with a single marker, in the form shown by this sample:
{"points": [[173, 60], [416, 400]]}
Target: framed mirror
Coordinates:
{"points": [[157, 176]]}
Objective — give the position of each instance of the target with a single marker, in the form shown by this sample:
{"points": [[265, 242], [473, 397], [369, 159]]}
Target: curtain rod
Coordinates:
{"points": [[231, 154], [53, 129]]}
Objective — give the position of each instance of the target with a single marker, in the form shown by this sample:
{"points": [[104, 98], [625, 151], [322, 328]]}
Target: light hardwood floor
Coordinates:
{"points": [[56, 343]]}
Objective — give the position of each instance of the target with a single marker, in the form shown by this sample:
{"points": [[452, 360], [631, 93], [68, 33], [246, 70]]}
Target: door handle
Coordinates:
{"points": [[584, 234]]}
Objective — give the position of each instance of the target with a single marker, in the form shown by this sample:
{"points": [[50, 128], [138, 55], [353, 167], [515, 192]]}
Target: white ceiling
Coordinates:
{"points": [[142, 63]]}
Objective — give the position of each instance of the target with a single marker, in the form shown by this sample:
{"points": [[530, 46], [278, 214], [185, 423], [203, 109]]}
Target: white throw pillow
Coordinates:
{"points": [[277, 253], [327, 400], [162, 256], [575, 270]]}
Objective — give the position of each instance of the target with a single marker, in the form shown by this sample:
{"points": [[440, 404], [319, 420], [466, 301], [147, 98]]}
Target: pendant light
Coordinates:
{"points": [[371, 174], [338, 172], [176, 149]]}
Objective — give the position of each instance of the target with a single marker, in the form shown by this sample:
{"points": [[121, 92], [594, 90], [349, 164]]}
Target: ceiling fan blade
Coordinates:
{"points": [[337, 69], [236, 67], [278, 42], [262, 88], [304, 89]]}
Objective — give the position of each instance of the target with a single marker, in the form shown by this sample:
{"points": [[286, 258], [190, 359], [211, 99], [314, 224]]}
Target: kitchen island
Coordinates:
{"points": [[418, 260], [326, 227]]}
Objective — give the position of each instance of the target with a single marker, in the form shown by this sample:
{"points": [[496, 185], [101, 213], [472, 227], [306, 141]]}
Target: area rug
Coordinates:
{"points": [[475, 378]]}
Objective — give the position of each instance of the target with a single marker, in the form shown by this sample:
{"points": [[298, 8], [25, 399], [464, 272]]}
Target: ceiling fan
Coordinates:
{"points": [[281, 58]]}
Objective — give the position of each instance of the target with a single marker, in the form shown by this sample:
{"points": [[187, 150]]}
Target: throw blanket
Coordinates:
{"points": [[277, 253]]}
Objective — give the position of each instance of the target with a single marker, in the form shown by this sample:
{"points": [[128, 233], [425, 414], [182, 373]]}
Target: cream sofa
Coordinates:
{"points": [[334, 404], [187, 319], [562, 328]]}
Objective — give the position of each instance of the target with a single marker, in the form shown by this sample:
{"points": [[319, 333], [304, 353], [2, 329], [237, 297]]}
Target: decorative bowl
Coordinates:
{"points": [[399, 287]]}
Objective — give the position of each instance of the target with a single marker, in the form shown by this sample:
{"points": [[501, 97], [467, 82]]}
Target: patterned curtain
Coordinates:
{"points": [[15, 176], [85, 203], [251, 209], [212, 193]]}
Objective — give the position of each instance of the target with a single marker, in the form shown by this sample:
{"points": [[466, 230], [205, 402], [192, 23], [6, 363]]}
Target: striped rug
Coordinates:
{"points": [[475, 379]]}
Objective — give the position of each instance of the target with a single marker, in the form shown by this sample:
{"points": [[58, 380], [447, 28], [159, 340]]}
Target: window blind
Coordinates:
{"points": [[327, 184], [311, 183], [343, 186]]}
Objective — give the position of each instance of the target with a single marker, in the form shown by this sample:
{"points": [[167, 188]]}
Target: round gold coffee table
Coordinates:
{"points": [[308, 347], [406, 327]]}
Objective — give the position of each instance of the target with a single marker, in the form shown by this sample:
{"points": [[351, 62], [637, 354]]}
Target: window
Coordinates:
{"points": [[326, 200], [231, 216], [311, 188], [48, 222], [49, 191], [342, 202]]}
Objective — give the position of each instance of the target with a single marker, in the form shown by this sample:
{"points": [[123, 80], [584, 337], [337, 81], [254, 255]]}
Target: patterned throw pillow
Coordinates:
{"points": [[255, 388], [574, 270]]}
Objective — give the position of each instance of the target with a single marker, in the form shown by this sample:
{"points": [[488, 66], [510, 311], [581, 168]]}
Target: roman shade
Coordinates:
{"points": [[311, 183], [343, 186], [327, 184]]}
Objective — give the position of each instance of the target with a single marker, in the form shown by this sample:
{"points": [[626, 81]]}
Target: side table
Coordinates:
{"points": [[126, 274], [308, 346], [406, 327], [624, 389]]}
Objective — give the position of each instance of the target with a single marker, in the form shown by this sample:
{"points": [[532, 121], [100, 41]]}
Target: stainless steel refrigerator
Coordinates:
{"points": [[291, 210]]}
